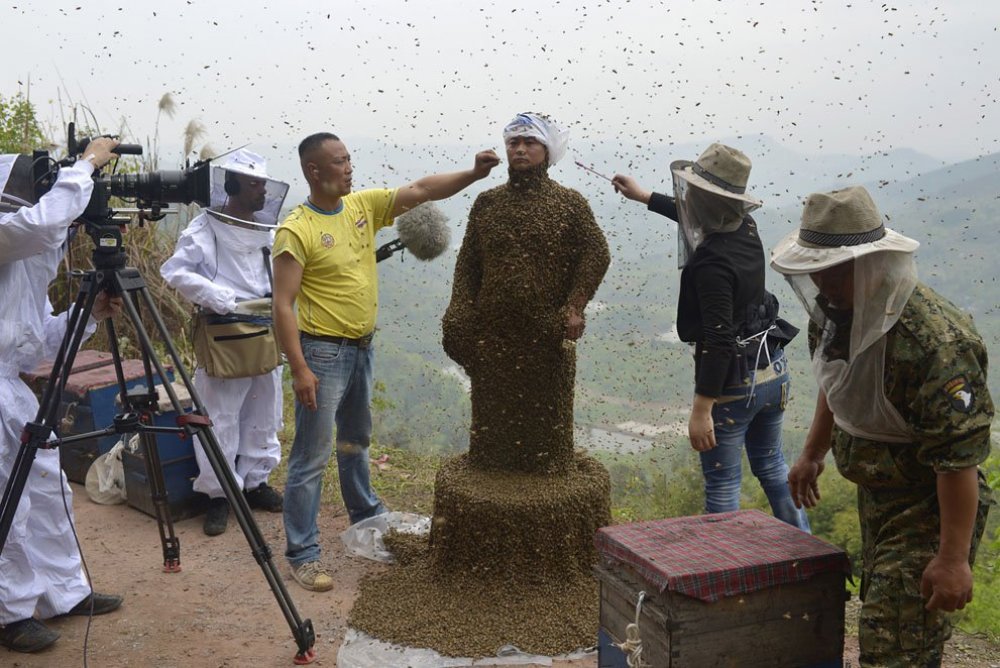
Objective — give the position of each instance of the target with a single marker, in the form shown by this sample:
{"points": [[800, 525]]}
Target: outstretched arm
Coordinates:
{"points": [[656, 202], [630, 189], [441, 186]]}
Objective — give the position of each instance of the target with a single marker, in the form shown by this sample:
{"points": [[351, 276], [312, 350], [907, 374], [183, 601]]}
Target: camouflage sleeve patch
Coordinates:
{"points": [[960, 394], [952, 409]]}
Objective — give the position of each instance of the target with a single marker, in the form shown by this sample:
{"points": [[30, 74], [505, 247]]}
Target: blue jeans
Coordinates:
{"points": [[758, 427], [342, 400]]}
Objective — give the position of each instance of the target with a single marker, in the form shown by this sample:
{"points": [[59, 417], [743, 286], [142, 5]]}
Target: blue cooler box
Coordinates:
{"points": [[176, 461], [88, 404]]}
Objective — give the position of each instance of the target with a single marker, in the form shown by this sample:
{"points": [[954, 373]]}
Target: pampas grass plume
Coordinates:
{"points": [[167, 105], [194, 131]]}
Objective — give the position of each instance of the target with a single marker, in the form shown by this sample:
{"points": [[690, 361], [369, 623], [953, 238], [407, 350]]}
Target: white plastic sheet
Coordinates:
{"points": [[360, 650], [364, 539]]}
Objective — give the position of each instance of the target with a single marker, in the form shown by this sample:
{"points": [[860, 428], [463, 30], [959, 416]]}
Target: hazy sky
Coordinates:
{"points": [[818, 77]]}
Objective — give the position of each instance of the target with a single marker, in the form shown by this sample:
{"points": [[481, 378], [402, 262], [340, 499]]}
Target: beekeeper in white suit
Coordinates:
{"points": [[222, 265], [40, 571]]}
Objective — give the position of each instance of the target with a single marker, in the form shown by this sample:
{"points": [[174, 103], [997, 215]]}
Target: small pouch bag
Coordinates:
{"points": [[236, 345]]}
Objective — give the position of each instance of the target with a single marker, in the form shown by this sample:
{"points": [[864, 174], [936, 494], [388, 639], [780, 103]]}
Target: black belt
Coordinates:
{"points": [[363, 342]]}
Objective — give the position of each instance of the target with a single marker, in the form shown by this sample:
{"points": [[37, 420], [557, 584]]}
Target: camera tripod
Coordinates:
{"points": [[111, 275]]}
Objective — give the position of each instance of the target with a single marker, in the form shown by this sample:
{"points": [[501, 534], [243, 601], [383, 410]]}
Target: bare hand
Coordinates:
{"points": [[630, 188], [100, 151], [701, 430], [947, 584], [106, 306], [306, 385], [485, 162], [575, 324], [803, 481]]}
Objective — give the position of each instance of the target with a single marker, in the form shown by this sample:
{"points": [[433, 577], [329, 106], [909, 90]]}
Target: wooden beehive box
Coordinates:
{"points": [[733, 589]]}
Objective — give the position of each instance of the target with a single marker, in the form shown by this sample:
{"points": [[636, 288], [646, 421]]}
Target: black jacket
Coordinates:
{"points": [[722, 297]]}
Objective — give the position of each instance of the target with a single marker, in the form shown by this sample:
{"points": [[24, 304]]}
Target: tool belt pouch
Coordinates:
{"points": [[235, 345]]}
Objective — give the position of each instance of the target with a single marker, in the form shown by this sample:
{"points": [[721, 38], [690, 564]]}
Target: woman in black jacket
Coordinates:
{"points": [[741, 376]]}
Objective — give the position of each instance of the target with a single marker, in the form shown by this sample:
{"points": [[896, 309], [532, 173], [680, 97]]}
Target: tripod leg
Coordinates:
{"points": [[198, 425], [158, 492], [15, 483], [145, 404], [36, 434]]}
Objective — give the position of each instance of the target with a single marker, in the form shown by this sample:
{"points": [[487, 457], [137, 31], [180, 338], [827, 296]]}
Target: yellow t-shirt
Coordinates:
{"points": [[339, 291]]}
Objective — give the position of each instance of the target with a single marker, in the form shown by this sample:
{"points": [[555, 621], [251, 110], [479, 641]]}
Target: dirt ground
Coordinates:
{"points": [[219, 612]]}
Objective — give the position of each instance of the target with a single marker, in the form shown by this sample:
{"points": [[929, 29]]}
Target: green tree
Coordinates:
{"points": [[19, 128]]}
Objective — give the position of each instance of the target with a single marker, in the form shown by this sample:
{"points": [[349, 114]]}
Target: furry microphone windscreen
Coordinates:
{"points": [[424, 231]]}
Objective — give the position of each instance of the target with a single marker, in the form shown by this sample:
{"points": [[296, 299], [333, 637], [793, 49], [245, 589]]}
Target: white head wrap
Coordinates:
{"points": [[541, 128]]}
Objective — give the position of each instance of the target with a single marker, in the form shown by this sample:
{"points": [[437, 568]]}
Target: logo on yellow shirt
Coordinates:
{"points": [[327, 240]]}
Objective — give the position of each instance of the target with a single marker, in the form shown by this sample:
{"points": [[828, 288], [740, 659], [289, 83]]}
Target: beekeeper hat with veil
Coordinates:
{"points": [[245, 201], [242, 192], [230, 241], [711, 196], [854, 276]]}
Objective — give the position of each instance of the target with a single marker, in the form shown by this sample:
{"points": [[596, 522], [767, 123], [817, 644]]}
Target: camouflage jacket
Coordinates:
{"points": [[935, 376]]}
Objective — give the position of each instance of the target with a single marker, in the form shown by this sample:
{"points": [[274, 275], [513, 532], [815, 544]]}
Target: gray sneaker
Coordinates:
{"points": [[313, 576]]}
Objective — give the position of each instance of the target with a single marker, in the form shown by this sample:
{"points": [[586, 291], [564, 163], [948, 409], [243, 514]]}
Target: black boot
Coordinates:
{"points": [[27, 635], [95, 604], [217, 516], [265, 497]]}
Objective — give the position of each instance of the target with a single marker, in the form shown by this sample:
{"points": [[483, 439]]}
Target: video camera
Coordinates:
{"points": [[148, 192]]}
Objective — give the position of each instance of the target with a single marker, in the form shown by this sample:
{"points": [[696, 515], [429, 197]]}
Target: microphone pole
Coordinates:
{"points": [[386, 251]]}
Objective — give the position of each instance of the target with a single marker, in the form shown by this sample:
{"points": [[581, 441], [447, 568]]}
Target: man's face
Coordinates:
{"points": [[836, 283], [253, 191], [525, 153], [330, 168]]}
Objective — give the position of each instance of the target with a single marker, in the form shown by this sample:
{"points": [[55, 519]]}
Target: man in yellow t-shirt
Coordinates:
{"points": [[324, 262]]}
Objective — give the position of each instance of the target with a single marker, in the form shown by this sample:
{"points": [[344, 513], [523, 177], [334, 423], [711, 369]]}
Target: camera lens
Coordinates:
{"points": [[163, 187]]}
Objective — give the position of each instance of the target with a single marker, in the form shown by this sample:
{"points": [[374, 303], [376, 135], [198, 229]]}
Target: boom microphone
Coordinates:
{"points": [[423, 230]]}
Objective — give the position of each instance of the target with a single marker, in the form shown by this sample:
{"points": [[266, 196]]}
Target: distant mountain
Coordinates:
{"points": [[628, 368], [962, 179]]}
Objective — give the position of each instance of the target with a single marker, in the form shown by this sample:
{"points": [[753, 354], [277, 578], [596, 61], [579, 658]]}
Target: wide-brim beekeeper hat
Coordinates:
{"points": [[721, 170], [837, 227], [248, 163]]}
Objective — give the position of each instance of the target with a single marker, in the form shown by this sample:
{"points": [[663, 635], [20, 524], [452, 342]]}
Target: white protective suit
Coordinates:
{"points": [[40, 568], [216, 265]]}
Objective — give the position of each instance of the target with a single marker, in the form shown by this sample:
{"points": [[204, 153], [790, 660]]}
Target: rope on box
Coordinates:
{"points": [[632, 647]]}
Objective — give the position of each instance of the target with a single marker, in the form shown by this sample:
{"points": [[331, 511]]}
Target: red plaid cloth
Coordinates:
{"points": [[710, 557]]}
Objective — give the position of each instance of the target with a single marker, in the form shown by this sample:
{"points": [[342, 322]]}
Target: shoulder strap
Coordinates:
{"points": [[266, 252]]}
